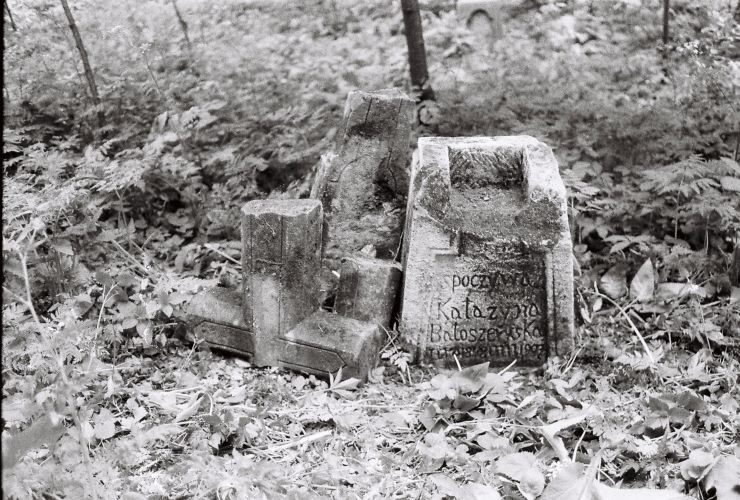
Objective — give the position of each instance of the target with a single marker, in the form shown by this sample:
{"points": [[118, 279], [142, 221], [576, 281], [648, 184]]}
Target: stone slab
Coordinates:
{"points": [[363, 184], [487, 262], [325, 342], [368, 289], [321, 344], [281, 261], [215, 315]]}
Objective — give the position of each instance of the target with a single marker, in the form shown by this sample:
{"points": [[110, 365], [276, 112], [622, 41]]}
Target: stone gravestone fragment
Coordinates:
{"points": [[216, 316], [488, 272], [325, 342], [368, 289], [362, 186], [281, 260], [274, 320]]}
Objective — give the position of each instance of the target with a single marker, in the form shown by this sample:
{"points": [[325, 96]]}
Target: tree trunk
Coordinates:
{"points": [[666, 13], [10, 16], [89, 76], [417, 55], [735, 266], [183, 27]]}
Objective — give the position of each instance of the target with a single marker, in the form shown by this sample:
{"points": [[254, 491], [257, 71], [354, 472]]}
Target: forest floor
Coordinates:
{"points": [[114, 215]]}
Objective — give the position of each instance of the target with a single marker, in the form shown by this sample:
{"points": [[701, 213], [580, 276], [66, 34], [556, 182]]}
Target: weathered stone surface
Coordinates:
{"points": [[281, 260], [362, 185], [368, 289], [215, 315], [487, 253], [325, 342]]}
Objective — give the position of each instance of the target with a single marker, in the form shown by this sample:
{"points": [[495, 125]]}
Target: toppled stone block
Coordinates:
{"points": [[362, 186], [488, 274], [281, 260], [325, 342], [368, 289], [215, 315]]}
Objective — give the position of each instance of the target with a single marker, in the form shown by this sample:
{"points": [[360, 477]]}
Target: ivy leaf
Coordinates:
{"points": [[522, 467], [442, 387], [694, 467], [129, 323], [428, 417], [434, 446], [465, 403], [604, 492], [643, 284], [104, 425], [144, 329], [569, 484]]}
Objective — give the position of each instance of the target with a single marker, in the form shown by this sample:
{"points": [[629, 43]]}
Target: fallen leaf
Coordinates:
{"points": [[604, 492], [42, 432], [724, 477], [614, 282], [448, 487], [131, 495], [478, 491], [190, 409], [672, 291], [643, 284]]}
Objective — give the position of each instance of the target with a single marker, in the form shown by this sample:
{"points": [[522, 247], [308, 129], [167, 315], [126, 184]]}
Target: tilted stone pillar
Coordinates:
{"points": [[487, 253], [281, 260], [363, 184]]}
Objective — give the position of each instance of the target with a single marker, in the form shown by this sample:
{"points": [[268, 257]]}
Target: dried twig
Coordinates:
{"points": [[298, 442], [632, 325]]}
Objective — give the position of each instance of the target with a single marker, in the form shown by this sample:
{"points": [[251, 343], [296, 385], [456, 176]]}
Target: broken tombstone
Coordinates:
{"points": [[363, 184], [368, 289], [216, 315], [325, 342], [274, 320], [487, 253]]}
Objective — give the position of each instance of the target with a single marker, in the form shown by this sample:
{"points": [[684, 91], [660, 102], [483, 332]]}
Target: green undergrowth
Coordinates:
{"points": [[115, 215]]}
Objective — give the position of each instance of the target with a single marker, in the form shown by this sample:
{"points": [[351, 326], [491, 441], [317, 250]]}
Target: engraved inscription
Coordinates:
{"points": [[494, 309]]}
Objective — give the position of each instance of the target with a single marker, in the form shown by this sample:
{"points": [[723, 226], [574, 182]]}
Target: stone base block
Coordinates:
{"points": [[216, 316], [488, 270], [321, 344], [325, 342], [368, 289]]}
